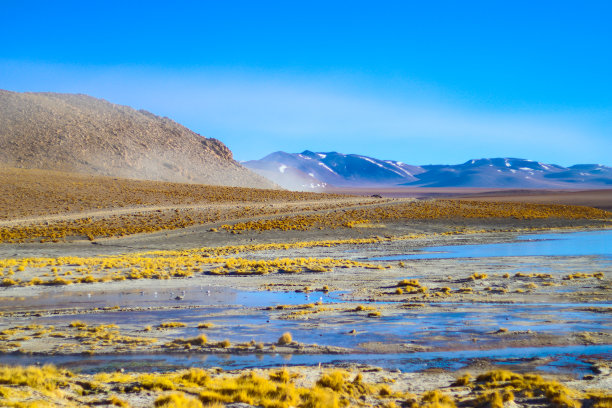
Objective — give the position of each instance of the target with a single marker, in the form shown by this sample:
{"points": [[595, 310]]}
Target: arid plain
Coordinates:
{"points": [[145, 293]]}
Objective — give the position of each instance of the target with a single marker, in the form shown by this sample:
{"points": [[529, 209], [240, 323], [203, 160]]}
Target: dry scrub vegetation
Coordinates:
{"points": [[78, 337], [136, 222], [225, 260], [320, 215], [279, 388], [31, 193], [169, 264], [422, 210], [90, 207]]}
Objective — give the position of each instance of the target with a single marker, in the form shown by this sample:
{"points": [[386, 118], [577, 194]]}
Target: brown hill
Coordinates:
{"points": [[79, 133]]}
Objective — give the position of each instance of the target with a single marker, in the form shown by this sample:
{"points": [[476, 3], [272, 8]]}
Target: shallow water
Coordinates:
{"points": [[191, 296], [240, 316], [439, 326], [559, 359], [594, 243]]}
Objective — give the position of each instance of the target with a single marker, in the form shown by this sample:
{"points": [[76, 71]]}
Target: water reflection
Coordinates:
{"points": [[597, 243]]}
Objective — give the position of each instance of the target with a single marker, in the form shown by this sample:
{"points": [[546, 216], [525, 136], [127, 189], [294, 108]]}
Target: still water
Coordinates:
{"points": [[595, 243], [239, 316]]}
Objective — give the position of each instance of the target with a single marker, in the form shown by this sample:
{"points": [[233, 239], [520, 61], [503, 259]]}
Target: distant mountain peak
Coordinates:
{"points": [[357, 170]]}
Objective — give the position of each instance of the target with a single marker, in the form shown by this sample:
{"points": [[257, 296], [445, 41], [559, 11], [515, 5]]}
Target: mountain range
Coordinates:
{"points": [[79, 133], [318, 171]]}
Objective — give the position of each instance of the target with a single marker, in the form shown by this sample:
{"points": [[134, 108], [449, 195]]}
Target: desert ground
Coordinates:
{"points": [[597, 198], [118, 292]]}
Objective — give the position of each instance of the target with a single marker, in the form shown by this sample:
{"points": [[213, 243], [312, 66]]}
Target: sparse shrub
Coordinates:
{"points": [[463, 380], [436, 399], [156, 383], [285, 339], [196, 376], [177, 400], [171, 325], [9, 282], [118, 402], [335, 380], [198, 340]]}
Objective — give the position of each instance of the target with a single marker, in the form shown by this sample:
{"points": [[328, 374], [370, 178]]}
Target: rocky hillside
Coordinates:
{"points": [[83, 134]]}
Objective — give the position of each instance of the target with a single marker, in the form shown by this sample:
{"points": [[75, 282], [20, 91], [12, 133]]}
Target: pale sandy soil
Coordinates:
{"points": [[600, 198]]}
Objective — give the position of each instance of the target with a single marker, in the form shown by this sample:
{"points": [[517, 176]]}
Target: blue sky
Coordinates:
{"points": [[420, 82]]}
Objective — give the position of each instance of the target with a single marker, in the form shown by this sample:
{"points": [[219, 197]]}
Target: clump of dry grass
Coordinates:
{"points": [[195, 388], [171, 325], [177, 400], [581, 275], [435, 399], [285, 339]]}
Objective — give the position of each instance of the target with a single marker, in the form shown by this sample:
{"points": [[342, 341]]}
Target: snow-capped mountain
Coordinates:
{"points": [[497, 172], [286, 176], [310, 170], [336, 169]]}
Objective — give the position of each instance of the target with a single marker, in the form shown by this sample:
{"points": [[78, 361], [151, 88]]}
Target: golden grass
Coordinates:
{"points": [[280, 388], [177, 400], [31, 192], [410, 286], [249, 203], [581, 275], [421, 210], [171, 325], [478, 276], [285, 339], [78, 337], [512, 384], [45, 379], [168, 264]]}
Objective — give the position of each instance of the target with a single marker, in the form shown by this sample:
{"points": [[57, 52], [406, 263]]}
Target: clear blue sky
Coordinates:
{"points": [[420, 82]]}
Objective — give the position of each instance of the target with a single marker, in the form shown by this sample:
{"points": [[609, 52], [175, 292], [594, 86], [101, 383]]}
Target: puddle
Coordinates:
{"points": [[440, 326], [595, 243], [189, 296]]}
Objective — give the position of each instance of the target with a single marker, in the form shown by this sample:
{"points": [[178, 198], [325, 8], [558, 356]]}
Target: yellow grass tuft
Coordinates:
{"points": [[177, 400], [286, 338], [436, 399], [171, 325]]}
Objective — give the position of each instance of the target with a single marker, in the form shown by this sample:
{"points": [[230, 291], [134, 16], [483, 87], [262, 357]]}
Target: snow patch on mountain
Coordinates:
{"points": [[317, 170], [326, 167]]}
